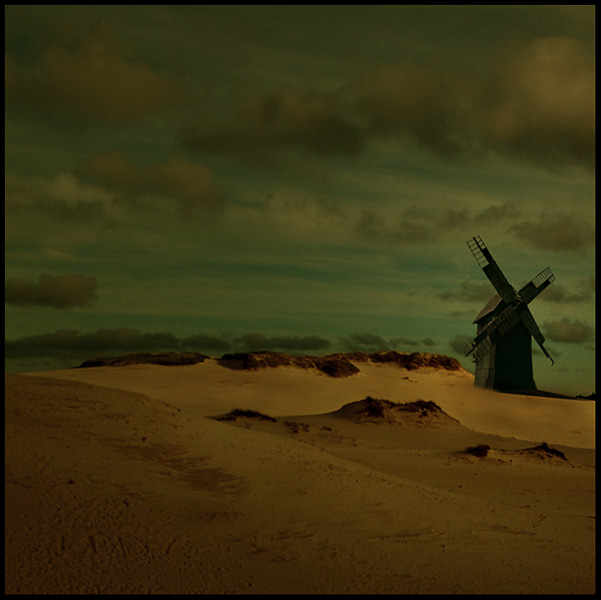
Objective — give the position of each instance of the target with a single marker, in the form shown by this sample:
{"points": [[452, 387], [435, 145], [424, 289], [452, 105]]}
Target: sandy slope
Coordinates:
{"points": [[131, 488]]}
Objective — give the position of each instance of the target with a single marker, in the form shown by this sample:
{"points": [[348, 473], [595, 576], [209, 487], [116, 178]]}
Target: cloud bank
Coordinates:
{"points": [[538, 104], [72, 344], [369, 342], [191, 184], [83, 77], [542, 103], [570, 331], [583, 291], [263, 126], [558, 232], [459, 342], [470, 291], [63, 291]]}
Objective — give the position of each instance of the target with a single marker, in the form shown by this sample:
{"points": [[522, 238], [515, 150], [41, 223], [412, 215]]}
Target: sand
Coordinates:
{"points": [[125, 480]]}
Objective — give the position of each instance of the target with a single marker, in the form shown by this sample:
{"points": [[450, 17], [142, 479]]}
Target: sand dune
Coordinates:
{"points": [[129, 480], [206, 388]]}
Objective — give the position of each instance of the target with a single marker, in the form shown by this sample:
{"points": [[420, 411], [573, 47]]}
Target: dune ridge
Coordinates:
{"points": [[142, 358], [340, 364]]}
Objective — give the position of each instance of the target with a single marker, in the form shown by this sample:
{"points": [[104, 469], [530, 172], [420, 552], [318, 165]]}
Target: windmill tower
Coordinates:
{"points": [[502, 348]]}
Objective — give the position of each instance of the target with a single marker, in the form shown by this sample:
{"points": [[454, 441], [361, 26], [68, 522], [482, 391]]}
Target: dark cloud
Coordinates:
{"points": [[561, 231], [403, 342], [257, 341], [413, 101], [364, 342], [538, 105], [62, 291], [64, 198], [459, 342], [453, 218], [470, 291], [284, 119], [319, 208], [84, 76], [75, 344], [207, 343], [460, 218], [541, 104], [496, 213], [71, 343], [372, 227], [370, 342], [568, 331], [583, 291], [406, 101], [191, 184]]}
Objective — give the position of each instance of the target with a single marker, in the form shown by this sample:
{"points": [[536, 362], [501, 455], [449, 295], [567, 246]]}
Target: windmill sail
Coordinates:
{"points": [[530, 323], [537, 285], [492, 333], [492, 270]]}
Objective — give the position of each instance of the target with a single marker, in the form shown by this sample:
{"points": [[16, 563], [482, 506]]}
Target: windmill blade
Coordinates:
{"points": [[492, 270], [528, 319], [499, 327], [477, 351], [492, 333], [537, 285]]}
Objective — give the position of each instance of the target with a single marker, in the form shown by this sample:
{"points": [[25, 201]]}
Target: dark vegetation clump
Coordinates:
{"points": [[481, 450], [333, 365], [340, 364], [546, 450], [373, 407], [239, 412], [416, 360], [422, 406], [337, 367], [385, 410], [543, 451], [169, 359], [295, 427]]}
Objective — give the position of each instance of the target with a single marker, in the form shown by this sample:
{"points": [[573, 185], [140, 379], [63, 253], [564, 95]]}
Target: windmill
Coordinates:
{"points": [[502, 348]]}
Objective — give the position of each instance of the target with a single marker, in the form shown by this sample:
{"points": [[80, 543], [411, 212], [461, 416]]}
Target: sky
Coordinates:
{"points": [[295, 178]]}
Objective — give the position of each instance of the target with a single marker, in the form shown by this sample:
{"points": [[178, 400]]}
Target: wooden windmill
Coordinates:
{"points": [[502, 348]]}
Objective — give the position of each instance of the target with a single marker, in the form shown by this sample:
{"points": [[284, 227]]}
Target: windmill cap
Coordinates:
{"points": [[490, 306]]}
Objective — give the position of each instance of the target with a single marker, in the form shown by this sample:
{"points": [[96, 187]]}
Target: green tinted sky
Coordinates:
{"points": [[298, 178]]}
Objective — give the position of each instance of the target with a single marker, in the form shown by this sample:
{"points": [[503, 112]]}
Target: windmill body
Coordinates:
{"points": [[502, 348], [508, 364]]}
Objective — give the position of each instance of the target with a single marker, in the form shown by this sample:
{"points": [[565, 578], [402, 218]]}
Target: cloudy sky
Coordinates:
{"points": [[295, 178]]}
